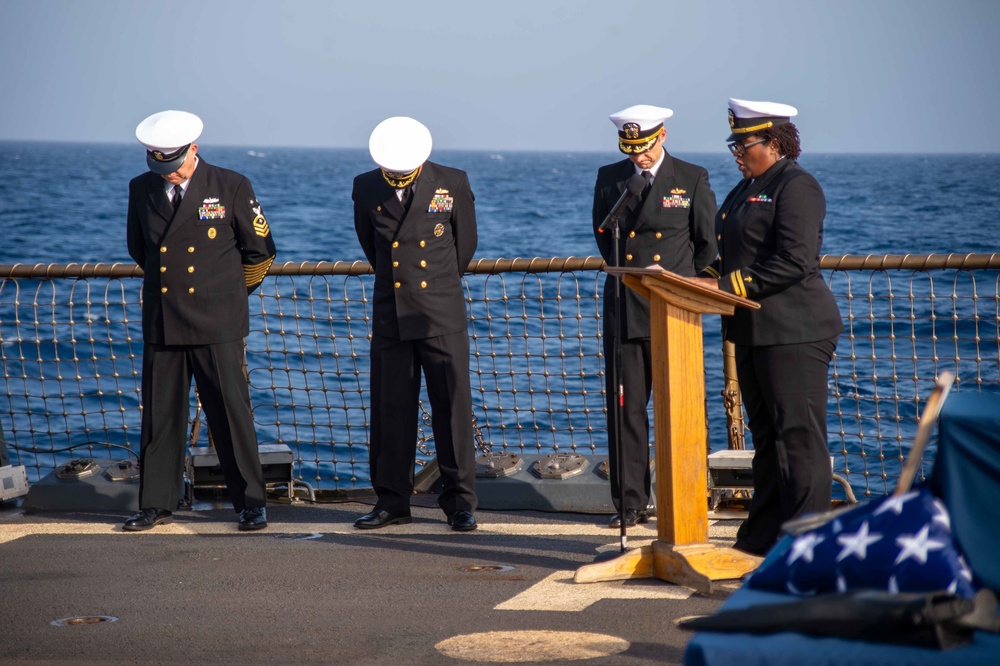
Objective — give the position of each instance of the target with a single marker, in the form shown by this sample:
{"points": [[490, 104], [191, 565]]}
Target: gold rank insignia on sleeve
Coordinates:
{"points": [[254, 273], [259, 223], [737, 281], [260, 226]]}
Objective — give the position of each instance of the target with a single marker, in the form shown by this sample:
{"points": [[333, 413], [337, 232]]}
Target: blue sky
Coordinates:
{"points": [[866, 75]]}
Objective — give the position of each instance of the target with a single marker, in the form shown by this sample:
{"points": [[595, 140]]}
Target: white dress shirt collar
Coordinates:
{"points": [[653, 169], [168, 187]]}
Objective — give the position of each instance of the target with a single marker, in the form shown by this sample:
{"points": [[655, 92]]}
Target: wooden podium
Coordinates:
{"points": [[682, 553]]}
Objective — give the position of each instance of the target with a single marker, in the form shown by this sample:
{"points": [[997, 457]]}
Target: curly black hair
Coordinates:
{"points": [[787, 136]]}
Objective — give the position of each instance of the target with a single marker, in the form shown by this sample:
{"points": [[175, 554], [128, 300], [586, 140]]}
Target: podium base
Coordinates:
{"points": [[693, 566]]}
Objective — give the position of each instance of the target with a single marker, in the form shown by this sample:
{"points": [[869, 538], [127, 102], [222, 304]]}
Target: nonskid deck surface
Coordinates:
{"points": [[313, 589]]}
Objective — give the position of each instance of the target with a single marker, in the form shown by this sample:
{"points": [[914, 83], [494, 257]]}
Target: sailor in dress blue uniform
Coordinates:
{"points": [[416, 222], [203, 243], [671, 226], [770, 232]]}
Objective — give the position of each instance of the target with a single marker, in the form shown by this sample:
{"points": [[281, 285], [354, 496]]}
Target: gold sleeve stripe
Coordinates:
{"points": [[737, 281], [260, 226], [254, 273], [711, 271]]}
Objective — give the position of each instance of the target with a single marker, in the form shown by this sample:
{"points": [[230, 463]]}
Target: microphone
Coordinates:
{"points": [[633, 188]]}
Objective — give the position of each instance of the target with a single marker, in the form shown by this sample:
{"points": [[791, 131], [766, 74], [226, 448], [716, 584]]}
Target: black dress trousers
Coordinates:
{"points": [[637, 386], [396, 367], [225, 396], [785, 393]]}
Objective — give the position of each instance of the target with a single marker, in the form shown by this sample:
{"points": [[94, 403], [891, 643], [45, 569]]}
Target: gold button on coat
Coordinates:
{"points": [[190, 269], [163, 269], [163, 290], [423, 243], [395, 243], [631, 234], [398, 285], [423, 264], [395, 264], [656, 257], [659, 234], [629, 257], [423, 285], [163, 249], [191, 249], [190, 290]]}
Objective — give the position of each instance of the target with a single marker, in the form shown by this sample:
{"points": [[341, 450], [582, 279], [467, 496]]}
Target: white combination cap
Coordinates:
{"points": [[639, 126], [167, 136], [400, 144], [747, 117]]}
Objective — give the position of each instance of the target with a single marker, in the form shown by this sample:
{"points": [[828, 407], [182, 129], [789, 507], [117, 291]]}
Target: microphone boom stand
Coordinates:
{"points": [[619, 385]]}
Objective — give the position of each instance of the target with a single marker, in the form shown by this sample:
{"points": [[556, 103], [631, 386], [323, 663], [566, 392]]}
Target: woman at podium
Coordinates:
{"points": [[769, 231]]}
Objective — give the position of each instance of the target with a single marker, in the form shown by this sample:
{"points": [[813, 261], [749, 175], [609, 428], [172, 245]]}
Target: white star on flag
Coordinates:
{"points": [[941, 515], [895, 504], [803, 547], [857, 543], [963, 569], [917, 545]]}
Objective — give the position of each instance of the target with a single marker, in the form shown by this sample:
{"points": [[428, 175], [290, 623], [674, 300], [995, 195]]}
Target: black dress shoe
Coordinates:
{"points": [[147, 519], [253, 518], [462, 521], [748, 549], [379, 518], [631, 518]]}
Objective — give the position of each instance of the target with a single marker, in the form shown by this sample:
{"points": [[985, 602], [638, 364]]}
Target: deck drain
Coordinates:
{"points": [[533, 646], [478, 568], [83, 619], [301, 536]]}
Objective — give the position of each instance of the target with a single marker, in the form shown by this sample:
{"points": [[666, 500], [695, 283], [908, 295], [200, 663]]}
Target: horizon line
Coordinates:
{"points": [[488, 150]]}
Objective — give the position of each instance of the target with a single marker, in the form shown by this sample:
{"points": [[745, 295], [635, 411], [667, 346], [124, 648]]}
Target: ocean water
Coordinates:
{"points": [[66, 203], [62, 203]]}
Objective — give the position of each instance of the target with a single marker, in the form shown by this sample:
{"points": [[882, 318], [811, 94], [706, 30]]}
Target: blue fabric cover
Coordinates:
{"points": [[789, 649], [896, 544], [966, 477]]}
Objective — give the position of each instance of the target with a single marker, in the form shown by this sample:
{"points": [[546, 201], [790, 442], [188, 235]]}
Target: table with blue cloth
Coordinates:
{"points": [[966, 477]]}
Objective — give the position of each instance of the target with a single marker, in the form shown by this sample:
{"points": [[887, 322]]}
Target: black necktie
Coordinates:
{"points": [[648, 177], [407, 197], [175, 198]]}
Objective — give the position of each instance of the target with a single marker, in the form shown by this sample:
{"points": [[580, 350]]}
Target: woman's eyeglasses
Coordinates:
{"points": [[738, 149]]}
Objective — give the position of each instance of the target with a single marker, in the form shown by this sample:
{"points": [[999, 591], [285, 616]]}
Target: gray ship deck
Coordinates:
{"points": [[313, 589]]}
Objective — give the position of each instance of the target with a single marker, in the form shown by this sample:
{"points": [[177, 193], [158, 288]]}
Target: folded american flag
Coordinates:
{"points": [[898, 544]]}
